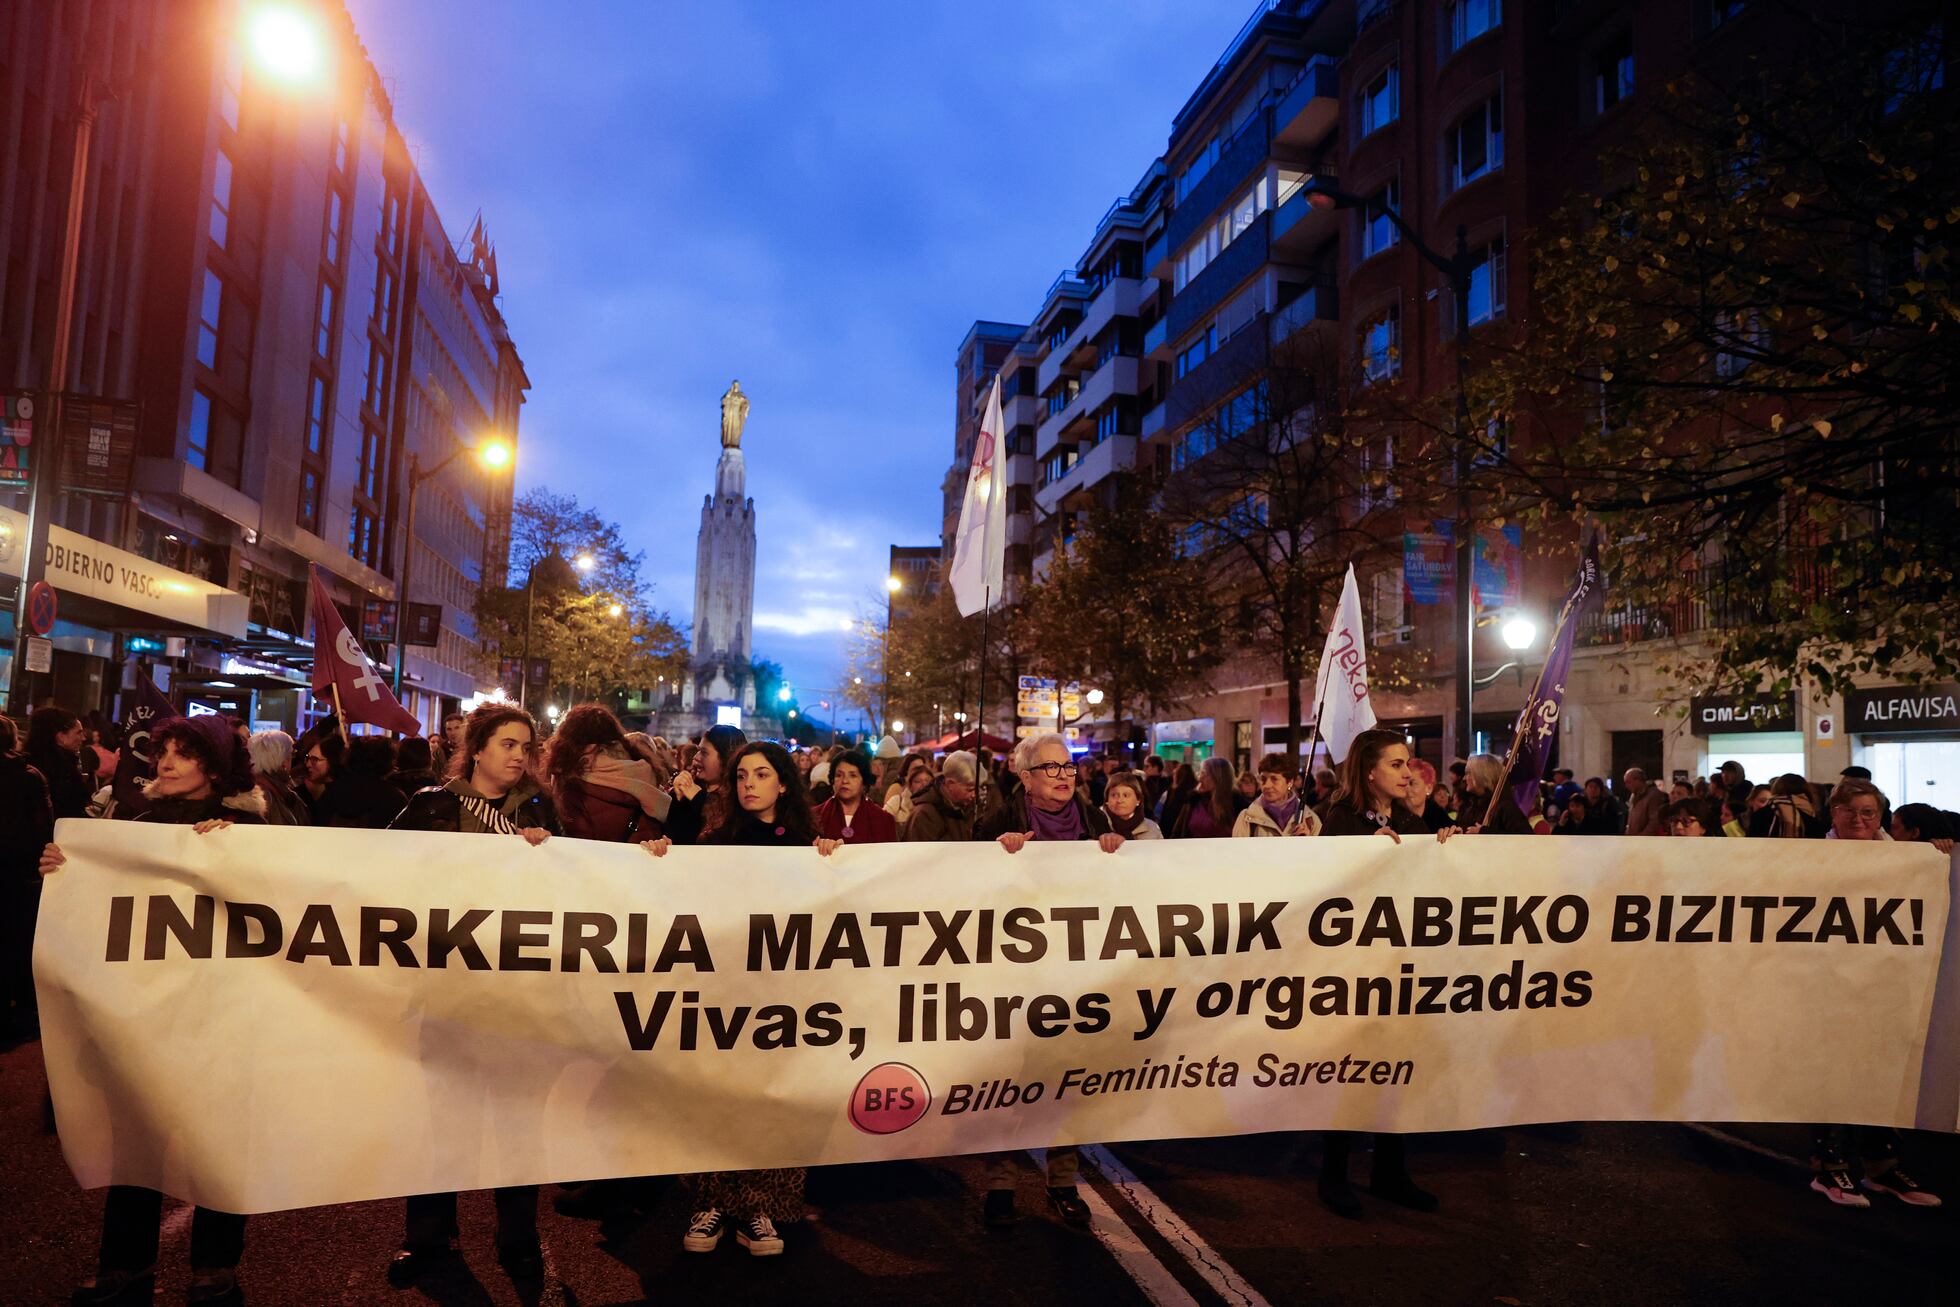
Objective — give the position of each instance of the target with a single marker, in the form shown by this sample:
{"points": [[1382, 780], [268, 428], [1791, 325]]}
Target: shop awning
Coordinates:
{"points": [[105, 586]]}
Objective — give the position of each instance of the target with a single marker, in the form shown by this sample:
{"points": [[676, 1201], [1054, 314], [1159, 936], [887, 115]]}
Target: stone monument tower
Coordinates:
{"points": [[724, 578]]}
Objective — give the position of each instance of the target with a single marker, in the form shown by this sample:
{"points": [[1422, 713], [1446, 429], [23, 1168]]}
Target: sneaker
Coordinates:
{"points": [[1835, 1183], [998, 1212], [758, 1235], [1902, 1187], [1068, 1204], [704, 1231]]}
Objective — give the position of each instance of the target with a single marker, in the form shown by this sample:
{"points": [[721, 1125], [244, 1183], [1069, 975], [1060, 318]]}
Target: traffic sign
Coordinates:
{"points": [[40, 608]]}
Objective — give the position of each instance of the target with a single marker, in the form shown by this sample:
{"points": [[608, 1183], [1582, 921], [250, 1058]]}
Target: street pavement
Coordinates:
{"points": [[1543, 1216]]}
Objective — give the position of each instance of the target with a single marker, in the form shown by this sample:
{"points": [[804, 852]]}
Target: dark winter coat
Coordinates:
{"points": [[440, 808], [1342, 819], [744, 829], [359, 803], [1012, 817], [937, 820], [26, 820], [68, 789], [246, 808]]}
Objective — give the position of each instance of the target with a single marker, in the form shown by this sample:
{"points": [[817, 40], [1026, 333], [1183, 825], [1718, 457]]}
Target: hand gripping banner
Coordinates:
{"points": [[262, 1018]]}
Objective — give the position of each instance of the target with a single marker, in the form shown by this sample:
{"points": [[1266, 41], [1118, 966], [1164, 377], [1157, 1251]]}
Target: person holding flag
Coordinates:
{"points": [[146, 706], [1340, 691]]}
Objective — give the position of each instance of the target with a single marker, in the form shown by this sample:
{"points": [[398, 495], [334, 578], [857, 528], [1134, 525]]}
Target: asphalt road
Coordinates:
{"points": [[1542, 1216]]}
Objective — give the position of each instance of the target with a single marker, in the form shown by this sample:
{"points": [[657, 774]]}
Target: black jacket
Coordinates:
{"points": [[359, 802], [246, 808], [1510, 819], [1012, 816], [744, 829], [440, 807], [1344, 820], [68, 789], [26, 820]]}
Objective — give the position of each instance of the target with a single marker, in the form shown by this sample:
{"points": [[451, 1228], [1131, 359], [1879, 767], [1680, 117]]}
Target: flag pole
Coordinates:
{"points": [[339, 717], [983, 774], [1524, 718]]}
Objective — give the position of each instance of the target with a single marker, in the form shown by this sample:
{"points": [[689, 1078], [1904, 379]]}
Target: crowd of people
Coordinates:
{"points": [[494, 773]]}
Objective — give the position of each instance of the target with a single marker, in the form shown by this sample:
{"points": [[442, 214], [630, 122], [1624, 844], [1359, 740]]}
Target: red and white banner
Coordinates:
{"points": [[340, 664], [1340, 691]]}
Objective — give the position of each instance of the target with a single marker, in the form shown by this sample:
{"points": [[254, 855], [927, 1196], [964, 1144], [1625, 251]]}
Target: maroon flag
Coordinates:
{"points": [[340, 668]]}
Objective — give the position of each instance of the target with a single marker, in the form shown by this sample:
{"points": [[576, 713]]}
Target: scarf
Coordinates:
{"points": [[1064, 825], [1127, 827], [631, 777], [1284, 814], [1788, 824]]}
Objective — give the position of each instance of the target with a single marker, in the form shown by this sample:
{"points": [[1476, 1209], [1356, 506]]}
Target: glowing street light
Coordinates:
{"points": [[792, 714], [849, 625], [898, 728], [585, 562], [1519, 633], [893, 585], [783, 694], [1094, 697], [553, 711], [286, 44], [495, 454], [614, 611]]}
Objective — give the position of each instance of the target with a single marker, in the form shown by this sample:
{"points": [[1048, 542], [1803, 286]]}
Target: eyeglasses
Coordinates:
{"points": [[1054, 771]]}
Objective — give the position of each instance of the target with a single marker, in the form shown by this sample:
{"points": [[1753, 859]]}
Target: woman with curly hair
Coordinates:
{"points": [[604, 787]]}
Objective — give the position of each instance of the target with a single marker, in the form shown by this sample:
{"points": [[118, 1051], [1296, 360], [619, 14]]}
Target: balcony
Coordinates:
{"points": [[1119, 376], [1116, 454], [1242, 155], [1236, 363], [1118, 298], [1299, 229], [1157, 258], [1153, 422], [1157, 340], [1316, 304], [1049, 433], [1234, 265], [1307, 110]]}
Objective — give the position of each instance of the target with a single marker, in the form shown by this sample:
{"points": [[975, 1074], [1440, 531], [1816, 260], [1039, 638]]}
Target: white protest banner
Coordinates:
{"points": [[264, 1018]]}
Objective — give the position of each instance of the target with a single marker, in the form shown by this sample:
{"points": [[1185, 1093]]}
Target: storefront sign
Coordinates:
{"points": [[1720, 714], [424, 625], [1904, 709], [77, 565], [1197, 730]]}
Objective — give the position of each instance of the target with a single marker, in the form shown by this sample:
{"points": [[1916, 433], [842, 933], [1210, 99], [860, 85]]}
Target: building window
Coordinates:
{"points": [[1716, 13], [384, 301], [1380, 100], [362, 538], [309, 500], [209, 318], [316, 415], [1487, 283], [1743, 336], [1613, 73], [371, 463], [377, 379], [221, 199], [1378, 230], [228, 84], [1915, 69], [1476, 144], [1231, 225], [340, 146], [323, 323], [1198, 167], [391, 224], [1470, 19], [198, 441], [1202, 347], [336, 226], [1381, 346]]}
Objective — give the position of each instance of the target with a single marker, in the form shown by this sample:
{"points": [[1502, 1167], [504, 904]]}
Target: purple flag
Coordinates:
{"points": [[1538, 723], [147, 707]]}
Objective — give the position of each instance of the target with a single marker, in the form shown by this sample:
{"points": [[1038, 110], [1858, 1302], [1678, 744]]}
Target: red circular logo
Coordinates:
{"points": [[891, 1097]]}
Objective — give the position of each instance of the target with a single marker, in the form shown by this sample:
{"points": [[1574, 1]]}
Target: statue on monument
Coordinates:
{"points": [[734, 414]]}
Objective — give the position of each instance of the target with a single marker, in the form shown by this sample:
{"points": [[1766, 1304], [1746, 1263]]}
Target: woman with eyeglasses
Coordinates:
{"points": [[1857, 812], [1690, 817], [1049, 807], [492, 789]]}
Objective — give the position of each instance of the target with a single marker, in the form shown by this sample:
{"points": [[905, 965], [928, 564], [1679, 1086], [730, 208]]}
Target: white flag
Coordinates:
{"points": [[980, 548], [1340, 691]]}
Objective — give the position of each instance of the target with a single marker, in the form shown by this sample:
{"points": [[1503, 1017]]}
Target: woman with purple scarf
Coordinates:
{"points": [[1048, 808], [1277, 810]]}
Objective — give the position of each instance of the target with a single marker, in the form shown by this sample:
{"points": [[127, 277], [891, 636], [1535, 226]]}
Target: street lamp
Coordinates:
{"points": [[898, 728], [285, 44], [1519, 633], [1456, 266], [490, 454], [585, 563], [892, 586], [614, 611]]}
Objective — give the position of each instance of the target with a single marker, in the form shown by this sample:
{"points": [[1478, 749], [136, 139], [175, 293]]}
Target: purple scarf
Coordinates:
{"points": [[1063, 825], [1284, 814]]}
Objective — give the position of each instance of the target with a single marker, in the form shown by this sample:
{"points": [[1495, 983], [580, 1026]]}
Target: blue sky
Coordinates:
{"points": [[818, 199]]}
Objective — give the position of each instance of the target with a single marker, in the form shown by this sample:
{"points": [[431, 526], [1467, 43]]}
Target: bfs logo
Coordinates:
{"points": [[891, 1097]]}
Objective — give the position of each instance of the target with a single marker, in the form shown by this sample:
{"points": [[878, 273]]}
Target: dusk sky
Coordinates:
{"points": [[816, 199]]}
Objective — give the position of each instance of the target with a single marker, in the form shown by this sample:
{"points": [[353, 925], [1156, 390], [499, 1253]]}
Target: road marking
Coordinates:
{"points": [[1204, 1259], [1150, 1274], [1736, 1141]]}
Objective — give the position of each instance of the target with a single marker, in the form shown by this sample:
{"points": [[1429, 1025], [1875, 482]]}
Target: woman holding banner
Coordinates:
{"points": [[1215, 806], [204, 781], [1482, 774], [769, 810], [848, 814], [1369, 799], [1048, 808], [1277, 810], [1858, 813], [491, 791]]}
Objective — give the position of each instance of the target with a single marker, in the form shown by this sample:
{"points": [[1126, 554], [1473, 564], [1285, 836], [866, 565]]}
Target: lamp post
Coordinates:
{"points": [[1456, 267], [892, 586], [492, 454]]}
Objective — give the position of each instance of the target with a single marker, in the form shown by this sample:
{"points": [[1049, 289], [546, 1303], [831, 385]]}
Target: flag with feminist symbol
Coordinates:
{"points": [[341, 667], [979, 550]]}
